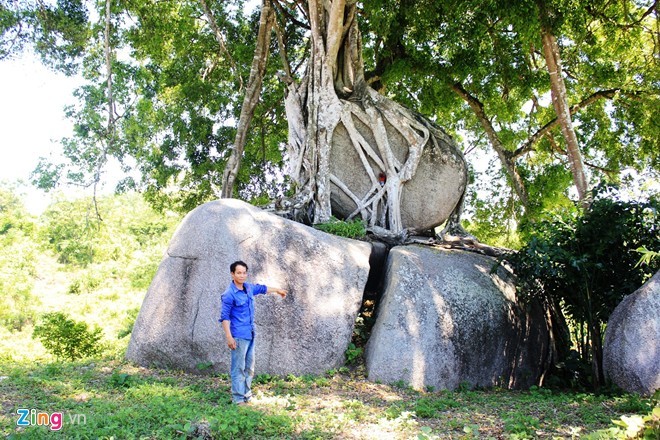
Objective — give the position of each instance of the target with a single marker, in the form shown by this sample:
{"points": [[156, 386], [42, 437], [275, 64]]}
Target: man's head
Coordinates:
{"points": [[235, 264], [238, 272]]}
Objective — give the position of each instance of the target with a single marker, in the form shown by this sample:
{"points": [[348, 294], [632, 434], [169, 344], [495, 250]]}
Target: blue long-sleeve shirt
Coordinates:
{"points": [[238, 308]]}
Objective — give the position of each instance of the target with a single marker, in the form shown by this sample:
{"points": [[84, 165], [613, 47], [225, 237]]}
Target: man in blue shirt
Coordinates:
{"points": [[237, 319]]}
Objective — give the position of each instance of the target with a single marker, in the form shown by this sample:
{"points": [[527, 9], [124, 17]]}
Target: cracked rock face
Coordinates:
{"points": [[445, 319], [306, 333], [631, 353]]}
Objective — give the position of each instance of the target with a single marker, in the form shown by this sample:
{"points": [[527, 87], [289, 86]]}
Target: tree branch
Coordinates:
{"points": [[250, 100], [289, 16], [508, 163], [626, 26], [221, 41], [534, 138]]}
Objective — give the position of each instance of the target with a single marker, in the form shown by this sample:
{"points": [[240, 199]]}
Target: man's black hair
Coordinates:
{"points": [[232, 266]]}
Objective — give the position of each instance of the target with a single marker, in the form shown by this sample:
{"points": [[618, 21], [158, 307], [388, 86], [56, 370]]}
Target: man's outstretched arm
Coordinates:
{"points": [[276, 290]]}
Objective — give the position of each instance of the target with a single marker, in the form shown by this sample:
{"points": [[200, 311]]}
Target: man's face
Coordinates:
{"points": [[239, 275]]}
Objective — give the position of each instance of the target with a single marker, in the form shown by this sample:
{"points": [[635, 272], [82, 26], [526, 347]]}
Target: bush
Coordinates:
{"points": [[66, 338], [588, 263], [349, 229], [353, 354], [635, 426]]}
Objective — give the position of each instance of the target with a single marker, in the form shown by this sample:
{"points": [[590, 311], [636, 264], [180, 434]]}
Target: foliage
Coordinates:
{"points": [[588, 263], [18, 253], [58, 31], [66, 338], [647, 255], [127, 248], [636, 426], [428, 56], [349, 229], [178, 102], [177, 93], [70, 229], [484, 218], [353, 354], [593, 254], [80, 237]]}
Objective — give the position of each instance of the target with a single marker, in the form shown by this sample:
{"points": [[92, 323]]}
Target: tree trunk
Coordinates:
{"points": [[252, 92], [560, 103], [110, 131], [596, 354]]}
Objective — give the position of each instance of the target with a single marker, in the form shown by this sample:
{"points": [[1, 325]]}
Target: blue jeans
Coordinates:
{"points": [[242, 370]]}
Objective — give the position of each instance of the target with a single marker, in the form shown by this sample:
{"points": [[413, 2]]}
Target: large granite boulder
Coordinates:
{"points": [[446, 320], [631, 353], [427, 199], [305, 333]]}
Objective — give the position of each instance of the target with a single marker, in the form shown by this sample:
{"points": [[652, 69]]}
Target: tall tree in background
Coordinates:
{"points": [[489, 57], [252, 92], [553, 63]]}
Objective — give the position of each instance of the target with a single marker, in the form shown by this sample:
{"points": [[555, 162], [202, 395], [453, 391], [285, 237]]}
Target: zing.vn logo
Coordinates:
{"points": [[31, 417]]}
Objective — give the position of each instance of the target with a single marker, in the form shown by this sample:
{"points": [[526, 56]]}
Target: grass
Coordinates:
{"points": [[110, 398]]}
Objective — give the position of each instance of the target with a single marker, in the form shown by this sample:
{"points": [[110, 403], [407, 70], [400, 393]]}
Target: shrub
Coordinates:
{"points": [[587, 264], [635, 426], [349, 229], [66, 338], [353, 354]]}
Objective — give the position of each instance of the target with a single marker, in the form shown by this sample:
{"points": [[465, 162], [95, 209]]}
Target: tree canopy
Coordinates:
{"points": [[168, 82]]}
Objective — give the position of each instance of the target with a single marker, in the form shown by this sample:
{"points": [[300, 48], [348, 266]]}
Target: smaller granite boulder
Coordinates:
{"points": [[631, 353], [427, 200], [447, 319]]}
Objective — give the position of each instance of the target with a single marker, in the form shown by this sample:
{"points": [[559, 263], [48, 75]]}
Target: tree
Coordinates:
{"points": [[553, 63], [17, 257], [252, 92], [333, 92], [487, 56], [58, 32], [186, 99], [66, 338]]}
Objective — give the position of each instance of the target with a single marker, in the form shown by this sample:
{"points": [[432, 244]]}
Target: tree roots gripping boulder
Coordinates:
{"points": [[355, 153]]}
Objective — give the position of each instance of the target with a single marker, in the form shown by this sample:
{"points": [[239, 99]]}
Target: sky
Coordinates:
{"points": [[31, 119]]}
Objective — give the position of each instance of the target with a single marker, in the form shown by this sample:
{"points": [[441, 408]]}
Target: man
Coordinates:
{"points": [[237, 319]]}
